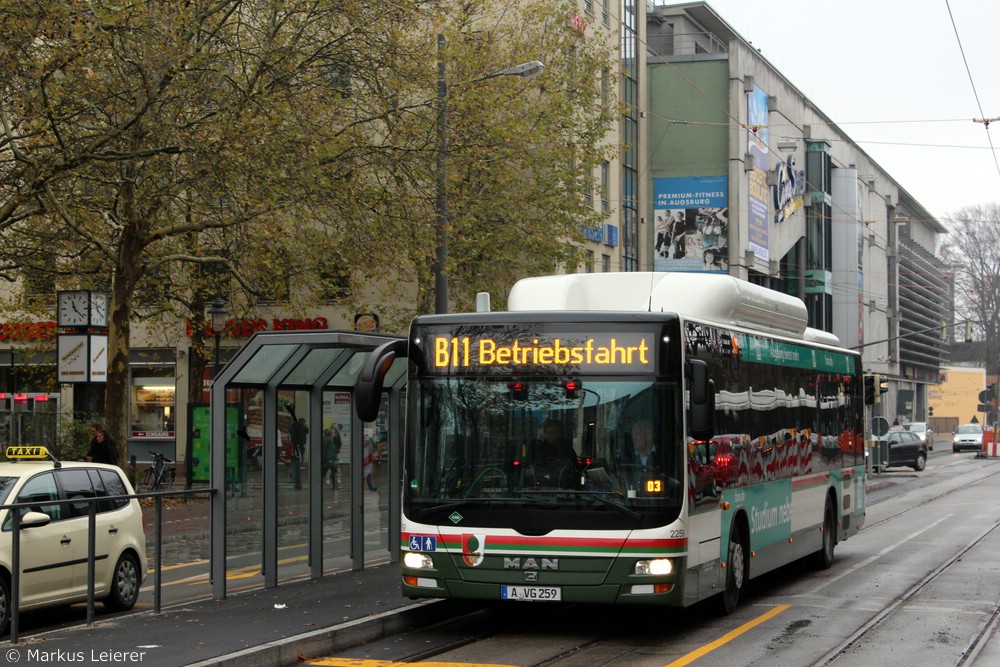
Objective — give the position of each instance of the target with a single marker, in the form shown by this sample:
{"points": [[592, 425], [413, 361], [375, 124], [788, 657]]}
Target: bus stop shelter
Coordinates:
{"points": [[308, 363]]}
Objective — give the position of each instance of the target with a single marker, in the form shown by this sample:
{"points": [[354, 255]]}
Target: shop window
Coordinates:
{"points": [[153, 405]]}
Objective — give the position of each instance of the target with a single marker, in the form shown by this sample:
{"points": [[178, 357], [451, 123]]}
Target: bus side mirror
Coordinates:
{"points": [[368, 386], [702, 415]]}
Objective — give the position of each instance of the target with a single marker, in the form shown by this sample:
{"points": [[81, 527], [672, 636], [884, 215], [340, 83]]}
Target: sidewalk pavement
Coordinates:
{"points": [[263, 627]]}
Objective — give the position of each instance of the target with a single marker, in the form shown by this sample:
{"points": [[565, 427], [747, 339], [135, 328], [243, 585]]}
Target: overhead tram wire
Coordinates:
{"points": [[975, 93]]}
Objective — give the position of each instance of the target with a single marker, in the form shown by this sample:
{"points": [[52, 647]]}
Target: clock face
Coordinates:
{"points": [[72, 309], [98, 309]]}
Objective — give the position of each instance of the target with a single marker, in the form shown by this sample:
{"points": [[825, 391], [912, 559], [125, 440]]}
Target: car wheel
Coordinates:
{"points": [[4, 604], [921, 462], [736, 571], [124, 584]]}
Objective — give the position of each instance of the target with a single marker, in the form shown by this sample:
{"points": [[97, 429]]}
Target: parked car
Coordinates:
{"points": [[54, 537], [905, 449], [924, 431], [967, 436]]}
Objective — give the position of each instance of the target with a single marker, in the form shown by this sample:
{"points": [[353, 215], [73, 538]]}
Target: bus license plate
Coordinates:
{"points": [[531, 593]]}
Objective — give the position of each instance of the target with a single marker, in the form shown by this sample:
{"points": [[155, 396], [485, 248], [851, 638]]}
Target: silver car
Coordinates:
{"points": [[967, 436]]}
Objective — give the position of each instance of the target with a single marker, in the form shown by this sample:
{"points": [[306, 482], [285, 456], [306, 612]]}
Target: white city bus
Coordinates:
{"points": [[524, 471]]}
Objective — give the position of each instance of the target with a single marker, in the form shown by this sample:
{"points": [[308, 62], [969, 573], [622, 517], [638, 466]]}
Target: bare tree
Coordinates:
{"points": [[973, 248]]}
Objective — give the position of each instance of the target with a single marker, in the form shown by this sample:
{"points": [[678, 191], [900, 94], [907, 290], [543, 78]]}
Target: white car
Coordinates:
{"points": [[922, 430], [967, 436], [53, 537]]}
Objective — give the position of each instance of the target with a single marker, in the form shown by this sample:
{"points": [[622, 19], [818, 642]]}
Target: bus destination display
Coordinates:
{"points": [[604, 353]]}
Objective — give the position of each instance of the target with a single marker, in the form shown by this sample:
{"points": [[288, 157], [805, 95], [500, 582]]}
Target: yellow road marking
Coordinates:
{"points": [[728, 637], [686, 660], [356, 662]]}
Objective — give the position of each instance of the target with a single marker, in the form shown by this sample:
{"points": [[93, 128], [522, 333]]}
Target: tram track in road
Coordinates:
{"points": [[915, 507], [908, 597], [501, 632]]}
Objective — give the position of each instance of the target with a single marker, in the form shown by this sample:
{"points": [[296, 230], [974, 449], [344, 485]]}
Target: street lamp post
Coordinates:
{"points": [[217, 314], [527, 70]]}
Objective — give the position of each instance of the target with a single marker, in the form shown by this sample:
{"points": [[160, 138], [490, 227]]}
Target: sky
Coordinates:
{"points": [[891, 73]]}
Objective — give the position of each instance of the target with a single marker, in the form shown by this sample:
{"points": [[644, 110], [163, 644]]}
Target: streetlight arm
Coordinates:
{"points": [[528, 70]]}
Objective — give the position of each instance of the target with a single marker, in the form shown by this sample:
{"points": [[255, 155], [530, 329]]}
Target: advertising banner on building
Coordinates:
{"points": [[758, 219], [691, 231]]}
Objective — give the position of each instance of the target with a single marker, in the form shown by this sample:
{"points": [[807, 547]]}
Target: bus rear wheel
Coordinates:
{"points": [[736, 570], [824, 557]]}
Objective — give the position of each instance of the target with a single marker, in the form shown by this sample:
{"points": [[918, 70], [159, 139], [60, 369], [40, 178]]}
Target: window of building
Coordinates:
{"points": [[152, 399], [336, 285], [605, 263], [605, 182], [589, 266], [279, 291], [588, 6], [605, 15], [39, 288]]}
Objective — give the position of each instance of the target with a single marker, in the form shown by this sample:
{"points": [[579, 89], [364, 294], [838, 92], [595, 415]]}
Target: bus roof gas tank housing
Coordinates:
{"points": [[713, 297]]}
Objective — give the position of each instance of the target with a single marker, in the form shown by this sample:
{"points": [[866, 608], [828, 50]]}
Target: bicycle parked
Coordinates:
{"points": [[158, 475]]}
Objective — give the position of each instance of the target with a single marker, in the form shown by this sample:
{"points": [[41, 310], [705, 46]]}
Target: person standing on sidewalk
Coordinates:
{"points": [[331, 453], [299, 433], [102, 448]]}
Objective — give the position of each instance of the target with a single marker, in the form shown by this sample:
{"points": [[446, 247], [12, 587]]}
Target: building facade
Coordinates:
{"points": [[750, 178]]}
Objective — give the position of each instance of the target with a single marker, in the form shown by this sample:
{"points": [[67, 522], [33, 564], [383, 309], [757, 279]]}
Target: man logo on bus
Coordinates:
{"points": [[473, 549]]}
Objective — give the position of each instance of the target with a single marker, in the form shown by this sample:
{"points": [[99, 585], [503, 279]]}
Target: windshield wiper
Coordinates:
{"points": [[462, 502], [600, 496]]}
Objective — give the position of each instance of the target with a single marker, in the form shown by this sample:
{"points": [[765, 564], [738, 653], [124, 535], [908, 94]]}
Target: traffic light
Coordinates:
{"points": [[930, 412], [869, 389], [881, 386]]}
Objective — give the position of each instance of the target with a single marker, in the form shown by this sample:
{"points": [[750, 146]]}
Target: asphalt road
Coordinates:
{"points": [[918, 586]]}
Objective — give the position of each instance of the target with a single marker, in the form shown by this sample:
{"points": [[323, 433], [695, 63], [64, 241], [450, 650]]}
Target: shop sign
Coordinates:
{"points": [[246, 328], [27, 331]]}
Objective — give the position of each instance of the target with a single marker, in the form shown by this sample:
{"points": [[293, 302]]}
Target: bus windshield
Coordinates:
{"points": [[598, 448]]}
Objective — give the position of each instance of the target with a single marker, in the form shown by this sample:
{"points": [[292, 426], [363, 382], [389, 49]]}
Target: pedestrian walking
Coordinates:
{"points": [[371, 454]]}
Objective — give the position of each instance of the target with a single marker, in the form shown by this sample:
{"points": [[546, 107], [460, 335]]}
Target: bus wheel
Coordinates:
{"points": [[736, 570], [824, 557]]}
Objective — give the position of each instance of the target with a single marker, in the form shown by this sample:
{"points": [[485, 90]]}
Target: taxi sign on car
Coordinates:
{"points": [[15, 452]]}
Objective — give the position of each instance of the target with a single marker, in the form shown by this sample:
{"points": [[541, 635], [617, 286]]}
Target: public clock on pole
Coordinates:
{"points": [[98, 309], [73, 309]]}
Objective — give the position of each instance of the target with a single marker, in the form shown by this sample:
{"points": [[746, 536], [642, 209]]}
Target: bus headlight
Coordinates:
{"points": [[417, 561], [654, 566]]}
